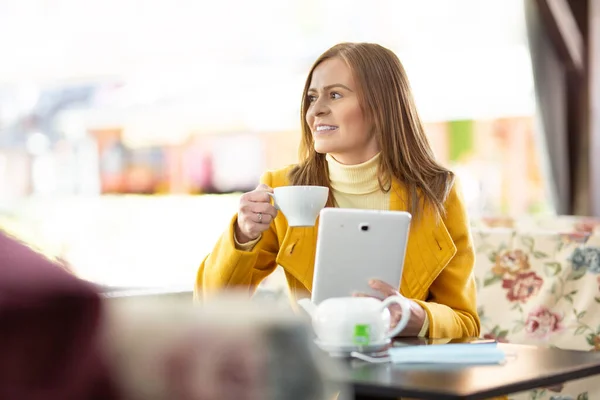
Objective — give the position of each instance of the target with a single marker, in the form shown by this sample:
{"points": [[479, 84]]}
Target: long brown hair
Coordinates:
{"points": [[387, 102]]}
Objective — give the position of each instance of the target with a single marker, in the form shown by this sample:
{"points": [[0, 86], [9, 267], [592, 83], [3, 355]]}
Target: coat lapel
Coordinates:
{"points": [[297, 253], [430, 248]]}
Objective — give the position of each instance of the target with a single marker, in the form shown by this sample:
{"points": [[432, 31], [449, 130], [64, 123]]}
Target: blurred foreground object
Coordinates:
{"points": [[229, 348], [60, 340], [49, 324]]}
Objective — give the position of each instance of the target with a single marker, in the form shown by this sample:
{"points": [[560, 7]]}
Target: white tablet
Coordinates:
{"points": [[354, 246]]}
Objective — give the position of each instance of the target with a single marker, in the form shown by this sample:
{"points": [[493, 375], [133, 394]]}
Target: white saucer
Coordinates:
{"points": [[345, 350]]}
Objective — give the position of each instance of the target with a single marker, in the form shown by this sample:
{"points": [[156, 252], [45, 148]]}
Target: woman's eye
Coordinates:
{"points": [[311, 98], [336, 96]]}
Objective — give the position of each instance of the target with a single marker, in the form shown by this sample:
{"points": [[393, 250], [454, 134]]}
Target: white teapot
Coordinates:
{"points": [[355, 321]]}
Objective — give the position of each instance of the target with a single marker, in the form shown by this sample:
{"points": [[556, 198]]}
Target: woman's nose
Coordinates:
{"points": [[320, 109]]}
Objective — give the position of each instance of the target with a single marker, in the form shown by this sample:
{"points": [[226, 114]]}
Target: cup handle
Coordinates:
{"points": [[271, 195], [404, 303]]}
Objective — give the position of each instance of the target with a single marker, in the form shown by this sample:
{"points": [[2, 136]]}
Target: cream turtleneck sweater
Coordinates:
{"points": [[356, 186]]}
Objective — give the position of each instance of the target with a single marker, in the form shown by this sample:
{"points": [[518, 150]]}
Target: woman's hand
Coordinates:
{"points": [[417, 315], [255, 214]]}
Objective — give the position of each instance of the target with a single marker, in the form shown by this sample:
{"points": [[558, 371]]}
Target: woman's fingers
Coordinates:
{"points": [[263, 208], [384, 288], [255, 212], [256, 196], [261, 218], [359, 294]]}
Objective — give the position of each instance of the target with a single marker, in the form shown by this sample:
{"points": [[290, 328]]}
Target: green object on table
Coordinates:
{"points": [[362, 335]]}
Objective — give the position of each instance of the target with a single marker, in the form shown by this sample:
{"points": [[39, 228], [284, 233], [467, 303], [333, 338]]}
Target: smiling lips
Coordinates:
{"points": [[325, 128]]}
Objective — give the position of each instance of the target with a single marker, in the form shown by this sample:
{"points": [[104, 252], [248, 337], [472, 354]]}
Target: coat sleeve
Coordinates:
{"points": [[452, 302], [227, 267]]}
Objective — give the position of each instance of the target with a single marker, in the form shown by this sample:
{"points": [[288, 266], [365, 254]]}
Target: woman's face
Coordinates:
{"points": [[335, 117]]}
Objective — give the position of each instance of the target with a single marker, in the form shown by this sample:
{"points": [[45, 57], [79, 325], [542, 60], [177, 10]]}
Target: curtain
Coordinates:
{"points": [[551, 98]]}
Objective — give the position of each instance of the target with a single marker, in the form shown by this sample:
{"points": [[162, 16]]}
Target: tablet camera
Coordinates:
{"points": [[364, 227]]}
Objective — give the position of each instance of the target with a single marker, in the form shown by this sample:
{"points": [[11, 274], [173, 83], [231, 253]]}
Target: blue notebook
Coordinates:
{"points": [[451, 353]]}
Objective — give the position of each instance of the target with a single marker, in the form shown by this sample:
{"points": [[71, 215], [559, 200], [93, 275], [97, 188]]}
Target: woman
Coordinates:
{"points": [[361, 137]]}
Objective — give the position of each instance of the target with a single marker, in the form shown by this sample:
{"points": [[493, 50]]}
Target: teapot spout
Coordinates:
{"points": [[308, 306]]}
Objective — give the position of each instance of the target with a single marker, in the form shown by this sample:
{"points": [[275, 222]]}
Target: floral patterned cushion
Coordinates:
{"points": [[541, 287]]}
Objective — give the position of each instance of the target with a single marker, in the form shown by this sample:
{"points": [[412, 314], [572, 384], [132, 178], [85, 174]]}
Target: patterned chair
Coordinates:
{"points": [[540, 284]]}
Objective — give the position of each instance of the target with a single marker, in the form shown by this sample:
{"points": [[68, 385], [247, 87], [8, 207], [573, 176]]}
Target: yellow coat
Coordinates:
{"points": [[438, 269]]}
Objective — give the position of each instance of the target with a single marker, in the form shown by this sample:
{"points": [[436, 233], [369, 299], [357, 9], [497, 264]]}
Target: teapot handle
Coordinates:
{"points": [[405, 305]]}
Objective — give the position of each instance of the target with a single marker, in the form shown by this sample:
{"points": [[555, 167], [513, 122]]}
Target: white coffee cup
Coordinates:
{"points": [[300, 204], [356, 321]]}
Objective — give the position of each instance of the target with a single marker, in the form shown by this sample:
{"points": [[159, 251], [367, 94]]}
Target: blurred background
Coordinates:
{"points": [[129, 128]]}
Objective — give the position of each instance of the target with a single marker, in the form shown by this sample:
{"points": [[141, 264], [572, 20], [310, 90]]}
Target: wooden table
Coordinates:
{"points": [[528, 368]]}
